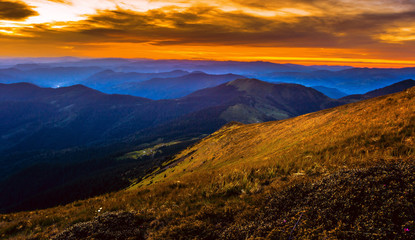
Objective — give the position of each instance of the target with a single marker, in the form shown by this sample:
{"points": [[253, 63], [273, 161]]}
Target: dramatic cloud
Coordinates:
{"points": [[368, 28], [212, 26], [10, 10]]}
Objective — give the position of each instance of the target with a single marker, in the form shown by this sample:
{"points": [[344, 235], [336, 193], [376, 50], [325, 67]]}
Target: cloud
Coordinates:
{"points": [[196, 25], [208, 25], [17, 11], [213, 26], [374, 26]]}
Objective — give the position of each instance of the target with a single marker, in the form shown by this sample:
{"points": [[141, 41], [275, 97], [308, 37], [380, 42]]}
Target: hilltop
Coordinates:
{"points": [[327, 171]]}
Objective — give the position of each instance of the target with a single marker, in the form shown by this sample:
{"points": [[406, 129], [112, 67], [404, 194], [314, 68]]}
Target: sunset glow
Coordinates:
{"points": [[358, 33]]}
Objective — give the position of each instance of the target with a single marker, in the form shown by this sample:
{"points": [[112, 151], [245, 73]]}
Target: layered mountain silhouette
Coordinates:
{"points": [[394, 88], [46, 76], [174, 87], [354, 80], [106, 74], [214, 67], [110, 81]]}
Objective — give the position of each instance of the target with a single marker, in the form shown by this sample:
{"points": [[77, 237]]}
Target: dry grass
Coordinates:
{"points": [[343, 137], [235, 168]]}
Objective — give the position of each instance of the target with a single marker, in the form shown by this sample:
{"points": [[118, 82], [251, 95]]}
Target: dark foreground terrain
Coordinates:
{"points": [[371, 203]]}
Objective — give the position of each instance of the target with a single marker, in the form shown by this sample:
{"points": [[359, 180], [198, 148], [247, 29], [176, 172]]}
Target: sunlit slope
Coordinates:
{"points": [[357, 134]]}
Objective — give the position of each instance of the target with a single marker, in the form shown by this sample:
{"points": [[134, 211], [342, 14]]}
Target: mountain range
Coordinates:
{"points": [[162, 85], [127, 76], [48, 76], [350, 81], [109, 80], [394, 88]]}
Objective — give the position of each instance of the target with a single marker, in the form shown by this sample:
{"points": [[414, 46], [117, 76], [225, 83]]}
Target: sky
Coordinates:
{"points": [[373, 33]]}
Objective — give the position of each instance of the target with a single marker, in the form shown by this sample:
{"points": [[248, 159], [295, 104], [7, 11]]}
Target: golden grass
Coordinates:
{"points": [[346, 136]]}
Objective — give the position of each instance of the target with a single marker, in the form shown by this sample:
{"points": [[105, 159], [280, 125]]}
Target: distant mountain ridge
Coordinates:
{"points": [[394, 88], [108, 80], [175, 87], [50, 76], [351, 81], [104, 74]]}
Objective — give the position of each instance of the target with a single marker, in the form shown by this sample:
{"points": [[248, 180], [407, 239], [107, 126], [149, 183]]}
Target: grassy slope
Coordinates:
{"points": [[353, 135], [221, 183]]}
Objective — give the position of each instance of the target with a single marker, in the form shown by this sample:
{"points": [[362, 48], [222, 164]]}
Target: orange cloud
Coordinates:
{"points": [[361, 32]]}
